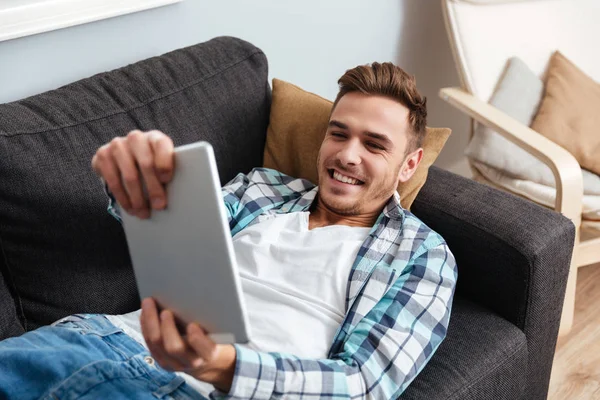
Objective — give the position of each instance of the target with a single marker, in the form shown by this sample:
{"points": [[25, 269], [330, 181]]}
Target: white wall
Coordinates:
{"points": [[310, 43]]}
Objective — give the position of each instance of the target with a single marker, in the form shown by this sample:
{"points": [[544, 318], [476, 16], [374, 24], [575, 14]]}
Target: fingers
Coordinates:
{"points": [[149, 321], [164, 341], [124, 159], [104, 167], [144, 157], [173, 343], [201, 343], [150, 324], [127, 163], [164, 156]]}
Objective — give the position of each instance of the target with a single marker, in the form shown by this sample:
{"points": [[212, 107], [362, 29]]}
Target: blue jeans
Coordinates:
{"points": [[84, 357]]}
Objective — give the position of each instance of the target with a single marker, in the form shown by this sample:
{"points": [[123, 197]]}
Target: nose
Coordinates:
{"points": [[349, 154]]}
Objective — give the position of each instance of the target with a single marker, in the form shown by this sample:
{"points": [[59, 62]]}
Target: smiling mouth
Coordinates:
{"points": [[343, 178]]}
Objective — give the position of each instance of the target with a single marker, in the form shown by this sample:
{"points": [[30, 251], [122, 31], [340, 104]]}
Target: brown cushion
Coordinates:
{"points": [[298, 123], [570, 112]]}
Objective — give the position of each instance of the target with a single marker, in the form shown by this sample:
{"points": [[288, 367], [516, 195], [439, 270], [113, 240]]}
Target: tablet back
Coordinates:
{"points": [[183, 256]]}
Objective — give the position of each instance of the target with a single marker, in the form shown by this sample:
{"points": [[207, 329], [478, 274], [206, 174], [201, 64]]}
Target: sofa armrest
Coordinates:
{"points": [[513, 256]]}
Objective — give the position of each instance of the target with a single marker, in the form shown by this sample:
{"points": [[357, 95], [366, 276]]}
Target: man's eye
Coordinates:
{"points": [[338, 134], [375, 146]]}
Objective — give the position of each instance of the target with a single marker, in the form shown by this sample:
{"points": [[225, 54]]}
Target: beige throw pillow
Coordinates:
{"points": [[570, 112], [298, 123]]}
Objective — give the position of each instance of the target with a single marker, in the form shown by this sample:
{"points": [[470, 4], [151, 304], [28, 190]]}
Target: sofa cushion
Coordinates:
{"points": [[483, 357], [541, 194], [569, 114], [61, 250], [518, 94], [298, 123]]}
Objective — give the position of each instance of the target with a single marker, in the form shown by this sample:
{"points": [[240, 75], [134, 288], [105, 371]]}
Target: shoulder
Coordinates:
{"points": [[266, 188], [424, 254], [272, 183], [422, 240], [273, 177]]}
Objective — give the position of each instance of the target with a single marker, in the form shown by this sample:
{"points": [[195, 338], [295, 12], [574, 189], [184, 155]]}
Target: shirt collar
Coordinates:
{"points": [[392, 209]]}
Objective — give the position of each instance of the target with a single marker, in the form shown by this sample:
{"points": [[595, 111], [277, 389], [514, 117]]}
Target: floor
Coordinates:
{"points": [[576, 370]]}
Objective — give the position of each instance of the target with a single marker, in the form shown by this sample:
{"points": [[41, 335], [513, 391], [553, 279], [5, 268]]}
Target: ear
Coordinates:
{"points": [[409, 165]]}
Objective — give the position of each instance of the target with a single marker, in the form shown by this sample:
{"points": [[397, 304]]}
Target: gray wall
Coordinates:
{"points": [[309, 43]]}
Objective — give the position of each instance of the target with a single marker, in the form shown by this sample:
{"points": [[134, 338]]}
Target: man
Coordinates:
{"points": [[348, 294]]}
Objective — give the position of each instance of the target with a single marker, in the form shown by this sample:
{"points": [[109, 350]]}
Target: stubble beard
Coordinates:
{"points": [[381, 193]]}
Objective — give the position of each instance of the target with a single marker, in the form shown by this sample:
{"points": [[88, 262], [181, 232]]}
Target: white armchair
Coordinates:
{"points": [[484, 35]]}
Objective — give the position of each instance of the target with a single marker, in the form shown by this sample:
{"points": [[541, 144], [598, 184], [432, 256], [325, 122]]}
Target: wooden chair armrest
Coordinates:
{"points": [[566, 169]]}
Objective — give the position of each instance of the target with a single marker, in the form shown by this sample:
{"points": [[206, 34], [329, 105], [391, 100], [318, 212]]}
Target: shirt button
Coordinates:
{"points": [[149, 360]]}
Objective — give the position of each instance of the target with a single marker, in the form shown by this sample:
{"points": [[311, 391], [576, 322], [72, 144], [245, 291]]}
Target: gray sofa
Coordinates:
{"points": [[61, 252]]}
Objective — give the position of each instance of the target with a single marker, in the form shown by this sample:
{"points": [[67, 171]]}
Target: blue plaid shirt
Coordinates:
{"points": [[398, 302]]}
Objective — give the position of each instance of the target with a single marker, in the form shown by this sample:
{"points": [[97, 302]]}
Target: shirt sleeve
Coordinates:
{"points": [[113, 207], [380, 356], [232, 194]]}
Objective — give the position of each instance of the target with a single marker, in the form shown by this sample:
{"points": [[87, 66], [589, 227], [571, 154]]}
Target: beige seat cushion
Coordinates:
{"points": [[570, 112], [298, 123], [541, 194]]}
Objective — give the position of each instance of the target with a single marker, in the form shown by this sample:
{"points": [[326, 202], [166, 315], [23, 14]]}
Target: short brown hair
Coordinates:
{"points": [[389, 80]]}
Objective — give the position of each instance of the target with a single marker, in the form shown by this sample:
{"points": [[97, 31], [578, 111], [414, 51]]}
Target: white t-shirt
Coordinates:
{"points": [[294, 284]]}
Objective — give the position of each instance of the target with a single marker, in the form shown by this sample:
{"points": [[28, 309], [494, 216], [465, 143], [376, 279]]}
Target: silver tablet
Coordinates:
{"points": [[183, 256]]}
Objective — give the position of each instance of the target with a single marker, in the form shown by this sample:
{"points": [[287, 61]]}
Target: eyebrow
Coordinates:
{"points": [[378, 136]]}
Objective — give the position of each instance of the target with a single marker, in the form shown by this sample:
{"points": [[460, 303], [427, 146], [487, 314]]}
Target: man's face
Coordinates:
{"points": [[363, 155]]}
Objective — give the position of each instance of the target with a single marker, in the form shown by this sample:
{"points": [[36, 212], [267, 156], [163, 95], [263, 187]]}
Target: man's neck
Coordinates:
{"points": [[321, 215]]}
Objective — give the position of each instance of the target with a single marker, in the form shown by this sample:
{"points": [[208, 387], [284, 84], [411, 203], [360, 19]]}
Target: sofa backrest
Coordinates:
{"points": [[484, 34], [62, 253]]}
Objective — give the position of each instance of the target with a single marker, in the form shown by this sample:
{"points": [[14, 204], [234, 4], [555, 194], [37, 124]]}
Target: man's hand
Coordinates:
{"points": [[195, 354], [120, 162]]}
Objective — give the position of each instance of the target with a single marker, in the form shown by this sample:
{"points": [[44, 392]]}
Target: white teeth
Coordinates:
{"points": [[342, 178]]}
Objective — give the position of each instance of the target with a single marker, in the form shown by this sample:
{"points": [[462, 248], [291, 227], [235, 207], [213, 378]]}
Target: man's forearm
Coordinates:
{"points": [[261, 375]]}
